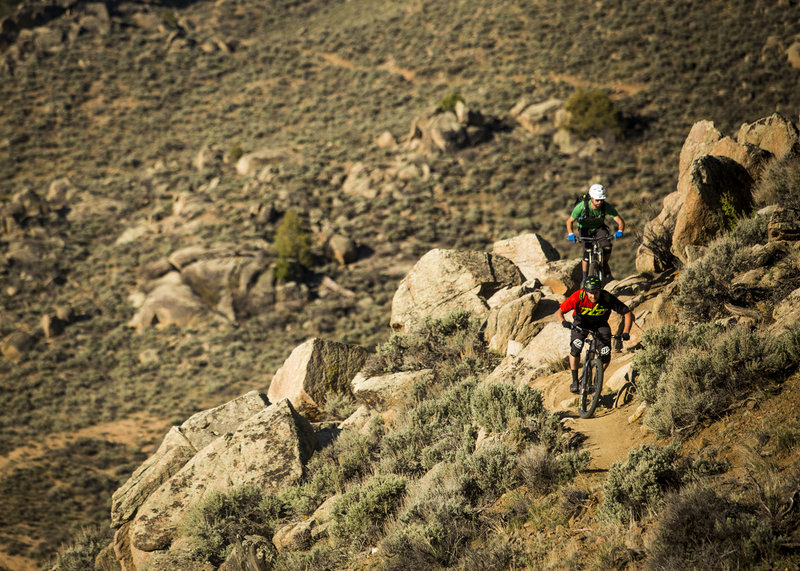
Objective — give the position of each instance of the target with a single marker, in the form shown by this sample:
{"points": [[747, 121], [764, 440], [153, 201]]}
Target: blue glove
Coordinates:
{"points": [[617, 234], [571, 238], [626, 337]]}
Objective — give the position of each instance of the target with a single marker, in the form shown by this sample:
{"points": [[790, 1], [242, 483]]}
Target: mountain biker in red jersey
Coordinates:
{"points": [[593, 306], [590, 216]]}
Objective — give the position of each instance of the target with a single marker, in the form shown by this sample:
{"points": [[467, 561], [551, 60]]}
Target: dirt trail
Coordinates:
{"points": [[609, 435]]}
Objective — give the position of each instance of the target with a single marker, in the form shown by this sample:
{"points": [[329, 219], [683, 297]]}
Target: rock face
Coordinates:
{"points": [[529, 252], [548, 348], [313, 370], [774, 134], [268, 450], [443, 281], [178, 447], [712, 168], [384, 391], [720, 187], [513, 321]]}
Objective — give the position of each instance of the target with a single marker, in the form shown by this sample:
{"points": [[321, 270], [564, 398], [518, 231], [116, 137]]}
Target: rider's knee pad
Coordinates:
{"points": [[575, 347], [605, 354]]}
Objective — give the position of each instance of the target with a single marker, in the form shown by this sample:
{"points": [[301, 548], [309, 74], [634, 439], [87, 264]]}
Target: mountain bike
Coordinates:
{"points": [[590, 383], [596, 264]]}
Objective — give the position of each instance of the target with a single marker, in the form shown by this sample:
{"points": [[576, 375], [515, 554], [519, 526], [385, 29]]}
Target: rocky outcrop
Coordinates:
{"points": [[774, 134], [712, 169], [537, 118], [384, 391], [530, 253], [720, 188], [514, 320], [170, 302], [443, 281], [447, 131], [268, 450], [16, 345], [179, 445], [314, 370], [547, 350]]}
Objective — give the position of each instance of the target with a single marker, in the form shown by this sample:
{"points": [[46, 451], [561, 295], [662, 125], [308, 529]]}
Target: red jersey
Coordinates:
{"points": [[593, 314]]}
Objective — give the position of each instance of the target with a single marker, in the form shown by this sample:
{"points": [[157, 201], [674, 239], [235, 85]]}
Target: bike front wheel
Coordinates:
{"points": [[590, 388]]}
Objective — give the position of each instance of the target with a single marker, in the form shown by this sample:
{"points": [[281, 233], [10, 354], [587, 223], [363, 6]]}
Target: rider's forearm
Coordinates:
{"points": [[570, 220], [628, 322], [620, 223]]}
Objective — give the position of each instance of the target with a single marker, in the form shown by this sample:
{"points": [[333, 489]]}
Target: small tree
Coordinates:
{"points": [[591, 113], [292, 245]]}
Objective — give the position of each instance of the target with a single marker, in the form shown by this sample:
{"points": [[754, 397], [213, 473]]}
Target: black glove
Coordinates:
{"points": [[626, 336], [566, 324]]}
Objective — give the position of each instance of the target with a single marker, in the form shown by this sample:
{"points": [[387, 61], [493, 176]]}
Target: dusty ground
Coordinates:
{"points": [[609, 433]]}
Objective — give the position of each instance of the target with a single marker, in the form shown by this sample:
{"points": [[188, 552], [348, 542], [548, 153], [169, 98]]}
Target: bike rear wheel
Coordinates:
{"points": [[590, 388]]}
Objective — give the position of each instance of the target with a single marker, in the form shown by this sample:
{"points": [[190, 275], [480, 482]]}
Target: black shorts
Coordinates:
{"points": [[603, 343]]}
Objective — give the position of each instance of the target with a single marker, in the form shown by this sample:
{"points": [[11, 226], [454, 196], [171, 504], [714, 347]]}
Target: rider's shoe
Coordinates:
{"points": [[573, 388]]}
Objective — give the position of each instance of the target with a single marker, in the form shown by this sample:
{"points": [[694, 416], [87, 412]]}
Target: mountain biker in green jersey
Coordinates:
{"points": [[592, 307], [590, 217]]}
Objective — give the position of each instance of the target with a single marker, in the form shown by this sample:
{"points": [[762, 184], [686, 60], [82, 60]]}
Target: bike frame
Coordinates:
{"points": [[590, 386], [595, 265]]}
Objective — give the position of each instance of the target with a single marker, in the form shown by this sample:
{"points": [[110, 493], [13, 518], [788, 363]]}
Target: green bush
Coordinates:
{"points": [[488, 473], [707, 284], [81, 553], [358, 516], [439, 343], [431, 534], [216, 523], [449, 101], [292, 246], [347, 459], [658, 345], [780, 183], [706, 371], [496, 407], [699, 529], [637, 486], [591, 113], [542, 471]]}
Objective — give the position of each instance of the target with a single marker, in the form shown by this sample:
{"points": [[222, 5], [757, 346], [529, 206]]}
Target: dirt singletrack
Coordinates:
{"points": [[609, 434]]}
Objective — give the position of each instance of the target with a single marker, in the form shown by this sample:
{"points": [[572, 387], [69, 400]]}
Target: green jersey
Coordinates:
{"points": [[593, 219]]}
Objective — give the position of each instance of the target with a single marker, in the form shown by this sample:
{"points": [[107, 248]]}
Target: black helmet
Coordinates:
{"points": [[592, 284]]}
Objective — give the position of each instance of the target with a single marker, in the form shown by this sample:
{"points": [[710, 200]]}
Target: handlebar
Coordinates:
{"points": [[572, 325]]}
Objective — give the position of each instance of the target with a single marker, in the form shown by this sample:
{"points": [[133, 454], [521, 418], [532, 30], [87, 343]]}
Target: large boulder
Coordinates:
{"points": [[547, 350], [314, 370], [170, 302], [384, 391], [563, 276], [268, 450], [717, 183], [705, 139], [529, 252], [16, 345], [178, 447], [774, 134], [513, 321], [537, 118], [443, 281]]}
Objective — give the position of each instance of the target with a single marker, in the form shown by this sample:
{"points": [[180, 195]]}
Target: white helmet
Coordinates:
{"points": [[597, 191]]}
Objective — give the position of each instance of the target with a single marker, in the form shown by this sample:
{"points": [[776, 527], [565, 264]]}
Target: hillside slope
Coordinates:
{"points": [[107, 110]]}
